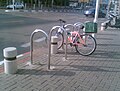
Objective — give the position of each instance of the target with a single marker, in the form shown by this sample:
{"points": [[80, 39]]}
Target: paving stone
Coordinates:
{"points": [[97, 72]]}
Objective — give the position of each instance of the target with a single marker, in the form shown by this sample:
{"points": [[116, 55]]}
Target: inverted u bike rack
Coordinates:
{"points": [[55, 28], [66, 26], [78, 25], [31, 41]]}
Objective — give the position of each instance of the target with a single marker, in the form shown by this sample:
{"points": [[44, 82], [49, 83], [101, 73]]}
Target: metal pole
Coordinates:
{"points": [[66, 45], [96, 11], [49, 49], [31, 47], [13, 4], [67, 25], [96, 14]]}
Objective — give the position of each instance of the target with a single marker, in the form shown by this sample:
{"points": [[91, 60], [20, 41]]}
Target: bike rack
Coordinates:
{"points": [[49, 53], [31, 41], [78, 24], [54, 29], [67, 25]]}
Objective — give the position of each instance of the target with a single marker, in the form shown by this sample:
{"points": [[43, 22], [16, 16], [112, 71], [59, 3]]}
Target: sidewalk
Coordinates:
{"points": [[98, 72]]}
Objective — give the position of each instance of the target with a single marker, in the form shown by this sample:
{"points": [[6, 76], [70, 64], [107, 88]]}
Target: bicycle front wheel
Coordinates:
{"points": [[88, 47]]}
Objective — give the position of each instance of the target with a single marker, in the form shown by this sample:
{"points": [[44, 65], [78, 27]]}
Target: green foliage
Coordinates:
{"points": [[2, 2], [61, 2]]}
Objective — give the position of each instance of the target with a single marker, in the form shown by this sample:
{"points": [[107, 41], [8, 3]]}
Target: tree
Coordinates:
{"points": [[47, 3], [3, 2]]}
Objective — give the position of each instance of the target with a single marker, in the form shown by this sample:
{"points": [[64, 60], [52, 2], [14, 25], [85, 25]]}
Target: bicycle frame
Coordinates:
{"points": [[73, 37]]}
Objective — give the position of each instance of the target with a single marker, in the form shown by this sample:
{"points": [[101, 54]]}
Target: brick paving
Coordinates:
{"points": [[97, 72]]}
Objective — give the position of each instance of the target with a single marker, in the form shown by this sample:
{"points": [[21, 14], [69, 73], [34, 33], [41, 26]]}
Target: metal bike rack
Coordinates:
{"points": [[55, 29], [67, 25], [49, 46], [31, 41], [78, 24]]}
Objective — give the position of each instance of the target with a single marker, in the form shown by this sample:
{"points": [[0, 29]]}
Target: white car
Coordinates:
{"points": [[16, 6], [73, 4]]}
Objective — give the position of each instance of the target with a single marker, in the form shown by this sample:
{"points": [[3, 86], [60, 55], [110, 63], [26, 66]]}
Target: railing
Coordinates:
{"points": [[55, 28]]}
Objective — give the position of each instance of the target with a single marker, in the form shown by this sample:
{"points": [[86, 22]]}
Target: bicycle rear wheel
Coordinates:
{"points": [[88, 48], [60, 40]]}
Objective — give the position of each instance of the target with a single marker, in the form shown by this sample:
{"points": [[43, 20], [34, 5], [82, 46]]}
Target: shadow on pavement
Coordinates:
{"points": [[40, 72]]}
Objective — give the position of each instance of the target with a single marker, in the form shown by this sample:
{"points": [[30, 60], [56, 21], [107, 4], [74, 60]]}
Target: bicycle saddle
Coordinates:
{"points": [[61, 20]]}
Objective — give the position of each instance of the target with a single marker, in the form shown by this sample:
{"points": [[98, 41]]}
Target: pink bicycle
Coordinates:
{"points": [[84, 43]]}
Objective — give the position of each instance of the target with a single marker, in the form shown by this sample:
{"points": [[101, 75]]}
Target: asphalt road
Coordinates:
{"points": [[16, 27], [15, 31]]}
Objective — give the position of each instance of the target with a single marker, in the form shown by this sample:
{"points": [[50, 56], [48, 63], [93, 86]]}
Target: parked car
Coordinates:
{"points": [[88, 7], [16, 6], [73, 4], [91, 12]]}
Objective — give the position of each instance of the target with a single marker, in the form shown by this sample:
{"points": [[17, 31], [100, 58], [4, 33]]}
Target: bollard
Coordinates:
{"points": [[103, 26], [54, 44], [10, 64]]}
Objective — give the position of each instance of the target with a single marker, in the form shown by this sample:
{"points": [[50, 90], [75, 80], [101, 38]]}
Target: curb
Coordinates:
{"points": [[65, 11], [18, 56]]}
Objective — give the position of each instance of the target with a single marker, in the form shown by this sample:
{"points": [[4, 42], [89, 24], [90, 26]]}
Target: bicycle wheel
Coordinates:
{"points": [[60, 40], [87, 48]]}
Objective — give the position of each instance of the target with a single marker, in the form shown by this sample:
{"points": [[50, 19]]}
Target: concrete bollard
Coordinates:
{"points": [[54, 44], [103, 26], [10, 64]]}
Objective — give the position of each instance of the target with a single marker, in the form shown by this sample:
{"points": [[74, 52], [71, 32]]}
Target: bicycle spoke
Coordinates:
{"points": [[88, 47]]}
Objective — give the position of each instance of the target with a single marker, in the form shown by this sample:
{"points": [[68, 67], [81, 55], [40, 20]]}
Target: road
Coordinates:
{"points": [[16, 27]]}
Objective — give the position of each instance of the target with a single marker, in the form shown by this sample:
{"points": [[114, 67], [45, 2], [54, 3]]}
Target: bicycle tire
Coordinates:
{"points": [[60, 40], [89, 47]]}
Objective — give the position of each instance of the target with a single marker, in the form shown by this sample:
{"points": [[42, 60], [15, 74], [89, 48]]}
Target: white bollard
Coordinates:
{"points": [[10, 64], [54, 44], [103, 25]]}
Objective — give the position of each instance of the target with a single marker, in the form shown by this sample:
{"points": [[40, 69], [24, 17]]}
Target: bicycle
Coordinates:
{"points": [[60, 32], [84, 43]]}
